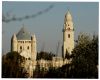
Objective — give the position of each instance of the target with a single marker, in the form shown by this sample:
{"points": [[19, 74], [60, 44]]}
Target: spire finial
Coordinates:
{"points": [[23, 27], [68, 9]]}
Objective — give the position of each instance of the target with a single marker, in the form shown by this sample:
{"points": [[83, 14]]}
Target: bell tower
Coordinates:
{"points": [[68, 35]]}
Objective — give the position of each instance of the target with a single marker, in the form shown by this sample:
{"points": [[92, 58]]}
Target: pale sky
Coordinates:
{"points": [[48, 26]]}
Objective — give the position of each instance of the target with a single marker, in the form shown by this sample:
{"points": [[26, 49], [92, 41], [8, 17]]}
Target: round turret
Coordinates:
{"points": [[14, 43], [33, 49]]}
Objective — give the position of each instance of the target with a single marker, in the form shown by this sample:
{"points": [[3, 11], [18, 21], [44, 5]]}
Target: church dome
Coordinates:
{"points": [[23, 34]]}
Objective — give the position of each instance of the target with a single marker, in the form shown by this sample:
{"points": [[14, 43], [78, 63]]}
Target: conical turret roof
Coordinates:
{"points": [[23, 34], [68, 16]]}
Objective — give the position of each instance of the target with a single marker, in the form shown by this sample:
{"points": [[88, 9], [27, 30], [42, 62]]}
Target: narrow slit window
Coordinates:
{"points": [[20, 47], [28, 47], [68, 35]]}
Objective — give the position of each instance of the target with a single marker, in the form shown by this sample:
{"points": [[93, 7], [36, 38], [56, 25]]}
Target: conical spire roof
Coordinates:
{"points": [[68, 16], [33, 37], [14, 37], [23, 34]]}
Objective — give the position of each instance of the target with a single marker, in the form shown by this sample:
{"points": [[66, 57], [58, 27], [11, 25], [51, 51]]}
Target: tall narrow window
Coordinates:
{"points": [[27, 47], [20, 47], [68, 35]]}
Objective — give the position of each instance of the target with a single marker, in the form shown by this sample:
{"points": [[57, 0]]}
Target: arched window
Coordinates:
{"points": [[68, 35], [27, 47], [20, 47]]}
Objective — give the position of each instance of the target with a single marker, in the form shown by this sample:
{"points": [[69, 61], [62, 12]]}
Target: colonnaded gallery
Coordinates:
{"points": [[25, 44]]}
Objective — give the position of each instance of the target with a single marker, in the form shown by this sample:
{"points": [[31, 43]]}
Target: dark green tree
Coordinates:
{"points": [[11, 67], [85, 60], [45, 55], [67, 56]]}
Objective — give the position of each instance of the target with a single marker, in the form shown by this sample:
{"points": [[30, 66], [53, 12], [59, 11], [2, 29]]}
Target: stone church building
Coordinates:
{"points": [[25, 44]]}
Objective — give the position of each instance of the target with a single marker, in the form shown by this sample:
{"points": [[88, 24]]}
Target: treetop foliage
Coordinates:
{"points": [[45, 55], [11, 67]]}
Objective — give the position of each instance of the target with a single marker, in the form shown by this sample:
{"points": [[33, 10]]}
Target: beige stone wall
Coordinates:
{"points": [[34, 47], [53, 63], [69, 42], [56, 62], [25, 44], [14, 45]]}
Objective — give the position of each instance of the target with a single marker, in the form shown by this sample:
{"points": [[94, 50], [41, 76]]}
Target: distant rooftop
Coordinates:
{"points": [[23, 34]]}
